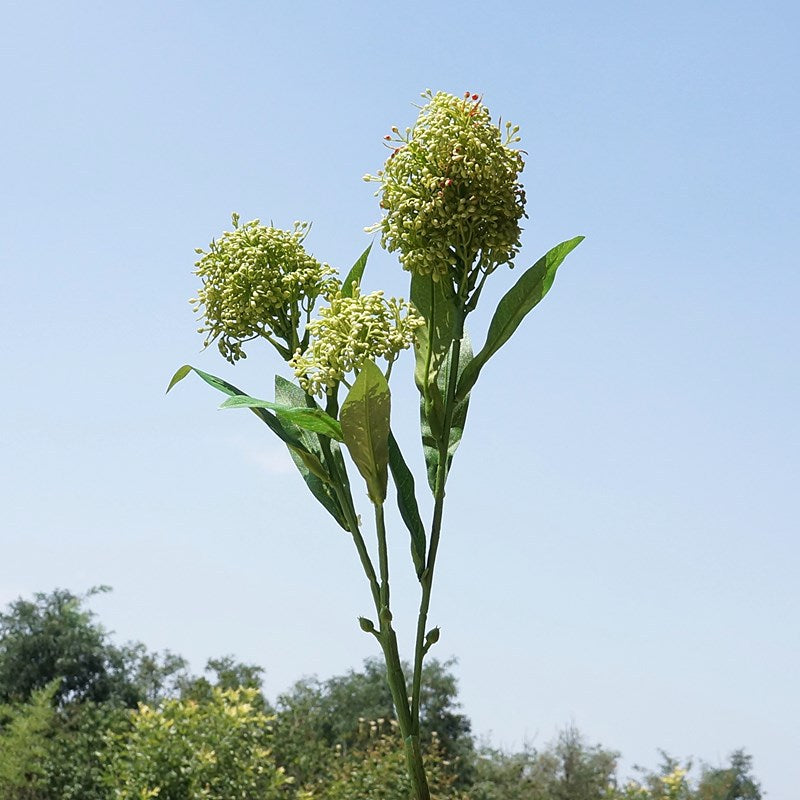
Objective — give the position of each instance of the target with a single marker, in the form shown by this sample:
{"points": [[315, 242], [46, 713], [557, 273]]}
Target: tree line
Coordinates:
{"points": [[83, 718]]}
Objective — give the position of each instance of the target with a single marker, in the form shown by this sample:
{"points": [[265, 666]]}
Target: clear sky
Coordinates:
{"points": [[621, 549]]}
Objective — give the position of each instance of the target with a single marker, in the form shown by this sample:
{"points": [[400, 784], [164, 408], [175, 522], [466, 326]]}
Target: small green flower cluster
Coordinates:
{"points": [[350, 331], [451, 192], [257, 282]]}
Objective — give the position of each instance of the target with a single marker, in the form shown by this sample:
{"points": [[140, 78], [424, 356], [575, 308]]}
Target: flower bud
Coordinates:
{"points": [[432, 636], [366, 625]]}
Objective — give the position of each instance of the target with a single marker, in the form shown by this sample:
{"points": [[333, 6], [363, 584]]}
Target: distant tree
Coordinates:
{"points": [[316, 716], [574, 770], [375, 769], [149, 677], [499, 775], [226, 673], [669, 781], [54, 637], [734, 782], [568, 769], [24, 745], [232, 674], [79, 750]]}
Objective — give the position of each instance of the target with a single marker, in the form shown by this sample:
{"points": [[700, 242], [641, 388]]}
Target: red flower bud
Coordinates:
{"points": [[475, 97]]}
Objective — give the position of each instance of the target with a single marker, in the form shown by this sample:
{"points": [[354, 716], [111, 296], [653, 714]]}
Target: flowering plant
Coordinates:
{"points": [[452, 205]]}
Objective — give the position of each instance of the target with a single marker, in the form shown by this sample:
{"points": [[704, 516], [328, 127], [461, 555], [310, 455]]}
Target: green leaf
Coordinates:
{"points": [[309, 419], [228, 388], [288, 394], [526, 293], [365, 424], [179, 375], [301, 447], [311, 462], [437, 305], [461, 406], [432, 346], [354, 276], [430, 437], [407, 503]]}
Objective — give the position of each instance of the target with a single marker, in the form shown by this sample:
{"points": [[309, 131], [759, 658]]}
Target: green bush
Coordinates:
{"points": [[216, 749]]}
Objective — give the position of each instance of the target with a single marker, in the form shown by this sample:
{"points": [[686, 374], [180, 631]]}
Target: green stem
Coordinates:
{"points": [[394, 670], [346, 501], [387, 637], [341, 486], [436, 524], [399, 690], [383, 555]]}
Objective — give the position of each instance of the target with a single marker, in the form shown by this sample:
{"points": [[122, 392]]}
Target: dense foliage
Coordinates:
{"points": [[90, 720]]}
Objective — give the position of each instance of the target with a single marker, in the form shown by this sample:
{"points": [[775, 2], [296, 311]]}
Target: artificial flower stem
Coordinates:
{"points": [[394, 670], [346, 502], [426, 580], [383, 555]]}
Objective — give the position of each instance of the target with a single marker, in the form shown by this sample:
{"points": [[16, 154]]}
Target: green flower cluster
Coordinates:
{"points": [[350, 331], [451, 192], [258, 281]]}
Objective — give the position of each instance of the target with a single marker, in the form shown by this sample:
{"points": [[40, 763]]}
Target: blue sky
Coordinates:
{"points": [[621, 545]]}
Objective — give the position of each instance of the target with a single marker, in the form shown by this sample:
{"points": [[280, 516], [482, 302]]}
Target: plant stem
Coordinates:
{"points": [[341, 486], [383, 555], [387, 637], [346, 502], [436, 524], [394, 670]]}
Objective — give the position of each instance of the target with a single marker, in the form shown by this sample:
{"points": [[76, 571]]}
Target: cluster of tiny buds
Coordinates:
{"points": [[257, 281], [450, 190], [349, 331]]}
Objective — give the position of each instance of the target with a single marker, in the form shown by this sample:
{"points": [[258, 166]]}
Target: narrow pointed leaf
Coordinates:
{"points": [[526, 293], [433, 340], [461, 407], [290, 394], [407, 503], [365, 424], [355, 274], [307, 460], [314, 419], [310, 462], [318, 487], [223, 386], [319, 484], [309, 419], [179, 375], [430, 438], [431, 350]]}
